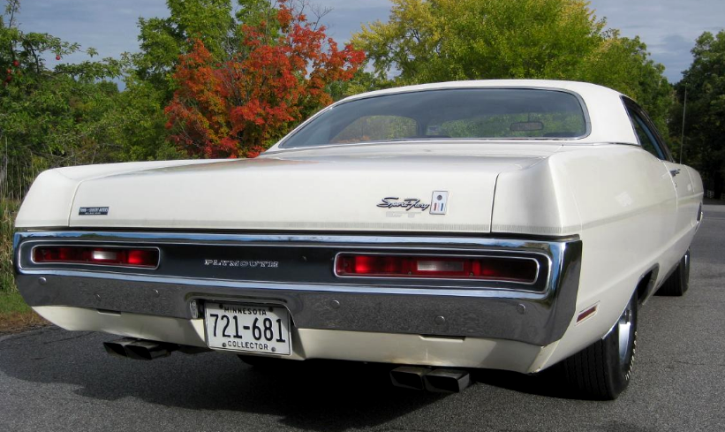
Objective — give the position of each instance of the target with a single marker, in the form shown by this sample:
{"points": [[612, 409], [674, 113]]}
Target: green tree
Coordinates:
{"points": [[51, 117], [217, 23], [704, 82], [272, 81], [139, 113], [150, 85], [162, 40], [625, 65], [446, 40]]}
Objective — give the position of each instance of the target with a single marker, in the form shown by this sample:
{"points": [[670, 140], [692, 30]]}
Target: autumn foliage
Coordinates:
{"points": [[236, 107]]}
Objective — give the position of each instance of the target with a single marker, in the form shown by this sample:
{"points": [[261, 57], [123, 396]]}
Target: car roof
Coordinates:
{"points": [[571, 86]]}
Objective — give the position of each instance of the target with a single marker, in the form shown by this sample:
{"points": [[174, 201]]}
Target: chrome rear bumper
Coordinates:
{"points": [[484, 310]]}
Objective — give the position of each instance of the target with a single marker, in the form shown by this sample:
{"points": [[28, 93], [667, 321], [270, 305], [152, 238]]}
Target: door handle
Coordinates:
{"points": [[674, 172]]}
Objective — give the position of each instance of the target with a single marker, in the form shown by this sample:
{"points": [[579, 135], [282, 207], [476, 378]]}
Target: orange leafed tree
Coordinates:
{"points": [[236, 107]]}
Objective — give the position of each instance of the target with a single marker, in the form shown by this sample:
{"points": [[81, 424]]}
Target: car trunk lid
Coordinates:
{"points": [[370, 190]]}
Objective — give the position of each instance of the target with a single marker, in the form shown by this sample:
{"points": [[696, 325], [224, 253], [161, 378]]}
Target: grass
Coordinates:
{"points": [[8, 208], [15, 314], [12, 302]]}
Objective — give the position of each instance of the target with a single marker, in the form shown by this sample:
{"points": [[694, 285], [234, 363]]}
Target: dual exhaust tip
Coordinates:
{"points": [[139, 349], [432, 380], [410, 377]]}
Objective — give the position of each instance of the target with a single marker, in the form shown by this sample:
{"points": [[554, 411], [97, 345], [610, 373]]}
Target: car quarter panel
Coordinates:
{"points": [[621, 201]]}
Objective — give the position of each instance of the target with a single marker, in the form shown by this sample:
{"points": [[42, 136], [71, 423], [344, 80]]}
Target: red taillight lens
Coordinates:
{"points": [[522, 270], [95, 255]]}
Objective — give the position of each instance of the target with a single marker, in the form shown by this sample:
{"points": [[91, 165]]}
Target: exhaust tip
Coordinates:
{"points": [[139, 349], [409, 377], [117, 348], [147, 350], [446, 380]]}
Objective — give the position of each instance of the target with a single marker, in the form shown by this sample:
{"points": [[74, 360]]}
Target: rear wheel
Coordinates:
{"points": [[602, 370], [679, 281]]}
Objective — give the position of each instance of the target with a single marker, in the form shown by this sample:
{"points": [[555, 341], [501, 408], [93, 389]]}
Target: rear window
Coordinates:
{"points": [[452, 114]]}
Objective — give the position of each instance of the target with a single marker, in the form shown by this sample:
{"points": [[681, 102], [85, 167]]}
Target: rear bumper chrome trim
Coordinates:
{"points": [[532, 317]]}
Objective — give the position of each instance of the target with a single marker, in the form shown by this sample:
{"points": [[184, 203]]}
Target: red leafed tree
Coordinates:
{"points": [[238, 106]]}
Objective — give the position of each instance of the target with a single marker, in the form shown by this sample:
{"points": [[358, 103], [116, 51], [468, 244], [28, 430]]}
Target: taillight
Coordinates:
{"points": [[125, 257], [522, 270]]}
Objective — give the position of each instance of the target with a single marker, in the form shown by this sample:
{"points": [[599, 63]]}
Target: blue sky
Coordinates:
{"points": [[668, 27]]}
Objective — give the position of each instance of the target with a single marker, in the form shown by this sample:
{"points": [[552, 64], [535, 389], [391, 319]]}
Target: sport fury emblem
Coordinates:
{"points": [[439, 204]]}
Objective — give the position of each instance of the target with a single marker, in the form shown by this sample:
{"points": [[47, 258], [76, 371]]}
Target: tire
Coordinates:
{"points": [[679, 281], [602, 370]]}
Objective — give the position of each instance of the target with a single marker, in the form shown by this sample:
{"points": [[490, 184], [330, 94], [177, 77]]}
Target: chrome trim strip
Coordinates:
{"points": [[16, 240], [550, 250], [281, 240]]}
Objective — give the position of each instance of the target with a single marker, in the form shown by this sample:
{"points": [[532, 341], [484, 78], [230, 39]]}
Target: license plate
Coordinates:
{"points": [[248, 328]]}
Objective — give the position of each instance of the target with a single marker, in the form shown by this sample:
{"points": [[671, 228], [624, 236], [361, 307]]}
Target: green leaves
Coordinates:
{"points": [[162, 40], [704, 83], [52, 114], [444, 40], [440, 40]]}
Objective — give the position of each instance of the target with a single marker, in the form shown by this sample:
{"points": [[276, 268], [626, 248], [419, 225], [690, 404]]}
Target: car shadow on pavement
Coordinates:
{"points": [[320, 396], [548, 383]]}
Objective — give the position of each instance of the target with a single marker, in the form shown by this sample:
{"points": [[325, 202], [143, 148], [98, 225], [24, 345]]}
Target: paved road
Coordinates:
{"points": [[55, 380]]}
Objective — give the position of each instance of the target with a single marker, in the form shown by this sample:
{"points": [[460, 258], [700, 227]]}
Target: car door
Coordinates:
{"points": [[651, 141]]}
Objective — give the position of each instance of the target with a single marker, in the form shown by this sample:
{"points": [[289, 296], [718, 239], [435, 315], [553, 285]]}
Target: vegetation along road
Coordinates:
{"points": [[58, 380]]}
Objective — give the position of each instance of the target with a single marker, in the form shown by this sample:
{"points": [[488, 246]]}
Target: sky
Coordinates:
{"points": [[668, 27]]}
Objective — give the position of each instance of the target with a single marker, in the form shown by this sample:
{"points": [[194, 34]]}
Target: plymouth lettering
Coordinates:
{"points": [[237, 263], [407, 204]]}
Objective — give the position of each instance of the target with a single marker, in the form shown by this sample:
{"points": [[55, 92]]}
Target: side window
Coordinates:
{"points": [[646, 139], [646, 135]]}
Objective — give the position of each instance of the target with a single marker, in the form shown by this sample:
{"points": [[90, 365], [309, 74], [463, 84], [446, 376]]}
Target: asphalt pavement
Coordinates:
{"points": [[55, 380]]}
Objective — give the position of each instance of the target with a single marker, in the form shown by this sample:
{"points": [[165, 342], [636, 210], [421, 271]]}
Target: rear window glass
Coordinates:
{"points": [[452, 114]]}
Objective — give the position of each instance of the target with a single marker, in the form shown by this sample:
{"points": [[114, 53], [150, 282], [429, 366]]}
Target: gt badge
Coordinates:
{"points": [[439, 203]]}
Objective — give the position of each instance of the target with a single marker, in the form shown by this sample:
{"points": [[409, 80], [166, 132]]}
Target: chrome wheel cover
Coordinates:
{"points": [[624, 331]]}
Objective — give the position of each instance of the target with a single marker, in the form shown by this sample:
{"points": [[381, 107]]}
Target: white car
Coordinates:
{"points": [[509, 225]]}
